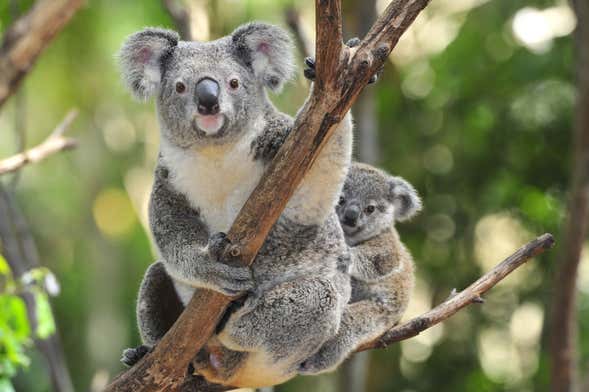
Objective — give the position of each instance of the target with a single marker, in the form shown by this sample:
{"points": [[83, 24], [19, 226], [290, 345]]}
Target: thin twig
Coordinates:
{"points": [[27, 37], [55, 143], [472, 294]]}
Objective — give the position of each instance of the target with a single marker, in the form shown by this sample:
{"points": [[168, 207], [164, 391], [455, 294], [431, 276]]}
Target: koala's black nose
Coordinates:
{"points": [[351, 215], [207, 96]]}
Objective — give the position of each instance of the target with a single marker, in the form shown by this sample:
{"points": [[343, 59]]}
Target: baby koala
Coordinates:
{"points": [[381, 268]]}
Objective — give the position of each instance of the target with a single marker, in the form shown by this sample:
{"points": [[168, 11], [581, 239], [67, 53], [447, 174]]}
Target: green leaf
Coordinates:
{"points": [[45, 322], [6, 385]]}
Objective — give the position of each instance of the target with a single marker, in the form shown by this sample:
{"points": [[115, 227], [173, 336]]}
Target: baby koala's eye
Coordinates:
{"points": [[369, 209], [180, 87], [234, 83], [341, 201]]}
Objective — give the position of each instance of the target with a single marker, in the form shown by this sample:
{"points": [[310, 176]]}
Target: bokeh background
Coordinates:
{"points": [[475, 109]]}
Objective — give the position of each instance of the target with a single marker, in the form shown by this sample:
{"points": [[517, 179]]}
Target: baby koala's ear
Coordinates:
{"points": [[141, 58], [405, 199], [268, 50]]}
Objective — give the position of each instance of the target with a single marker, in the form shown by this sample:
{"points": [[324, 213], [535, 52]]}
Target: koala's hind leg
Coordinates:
{"points": [[290, 320], [158, 307], [362, 321]]}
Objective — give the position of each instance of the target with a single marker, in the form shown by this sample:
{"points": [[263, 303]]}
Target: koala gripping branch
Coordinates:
{"points": [[341, 75]]}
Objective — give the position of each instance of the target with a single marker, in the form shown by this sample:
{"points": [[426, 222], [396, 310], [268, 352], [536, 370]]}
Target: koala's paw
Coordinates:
{"points": [[310, 72], [133, 355], [218, 243], [325, 360], [229, 279]]}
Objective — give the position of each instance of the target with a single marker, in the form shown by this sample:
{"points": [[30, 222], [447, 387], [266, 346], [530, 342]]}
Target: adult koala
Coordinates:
{"points": [[219, 131]]}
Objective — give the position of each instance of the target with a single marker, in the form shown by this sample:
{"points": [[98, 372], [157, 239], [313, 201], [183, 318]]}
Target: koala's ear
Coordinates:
{"points": [[405, 199], [141, 59], [268, 50]]}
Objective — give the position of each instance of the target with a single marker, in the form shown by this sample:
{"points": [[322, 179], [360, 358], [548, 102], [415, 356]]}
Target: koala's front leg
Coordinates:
{"points": [[158, 307], [362, 321], [289, 321], [373, 259], [182, 237]]}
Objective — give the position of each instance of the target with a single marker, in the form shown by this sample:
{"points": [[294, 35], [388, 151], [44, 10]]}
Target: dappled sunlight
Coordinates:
{"points": [[583, 275], [536, 29], [496, 236], [138, 182], [113, 213]]}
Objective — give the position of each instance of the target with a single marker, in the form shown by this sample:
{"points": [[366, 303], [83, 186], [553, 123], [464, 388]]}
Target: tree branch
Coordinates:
{"points": [[563, 326], [26, 38], [292, 18], [55, 143], [180, 16], [339, 82], [472, 294]]}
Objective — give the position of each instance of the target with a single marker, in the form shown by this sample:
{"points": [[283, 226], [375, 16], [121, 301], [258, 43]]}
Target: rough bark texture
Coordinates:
{"points": [[26, 38], [339, 81], [457, 301], [564, 306]]}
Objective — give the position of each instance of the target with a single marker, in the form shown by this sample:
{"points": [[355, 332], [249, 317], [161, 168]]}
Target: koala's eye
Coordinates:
{"points": [[369, 209], [180, 87], [341, 201], [234, 83]]}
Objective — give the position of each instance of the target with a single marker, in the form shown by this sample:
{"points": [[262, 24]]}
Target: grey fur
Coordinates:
{"points": [[297, 294], [381, 267]]}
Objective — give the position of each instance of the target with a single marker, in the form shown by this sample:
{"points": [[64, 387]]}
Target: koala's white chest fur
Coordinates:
{"points": [[217, 180]]}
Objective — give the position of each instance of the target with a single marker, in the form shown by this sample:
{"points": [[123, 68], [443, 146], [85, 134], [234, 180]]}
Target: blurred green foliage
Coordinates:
{"points": [[475, 116], [15, 329]]}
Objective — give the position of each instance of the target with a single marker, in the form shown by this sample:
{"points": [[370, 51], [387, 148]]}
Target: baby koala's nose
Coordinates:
{"points": [[207, 96], [351, 216]]}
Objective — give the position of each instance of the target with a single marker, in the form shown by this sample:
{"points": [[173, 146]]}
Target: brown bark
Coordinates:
{"points": [[339, 81], [27, 37], [563, 324]]}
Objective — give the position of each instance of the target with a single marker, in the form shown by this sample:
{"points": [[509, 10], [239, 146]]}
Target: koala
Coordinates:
{"points": [[219, 131], [380, 265]]}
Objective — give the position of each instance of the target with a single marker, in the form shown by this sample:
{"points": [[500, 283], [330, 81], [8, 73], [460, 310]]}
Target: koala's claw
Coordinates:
{"points": [[310, 72], [353, 42], [133, 355], [218, 242]]}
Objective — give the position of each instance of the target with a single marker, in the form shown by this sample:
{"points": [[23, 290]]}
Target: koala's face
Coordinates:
{"points": [[211, 92], [371, 201]]}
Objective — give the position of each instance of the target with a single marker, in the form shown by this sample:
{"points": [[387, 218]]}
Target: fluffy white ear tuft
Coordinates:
{"points": [[141, 59], [268, 50], [405, 199]]}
